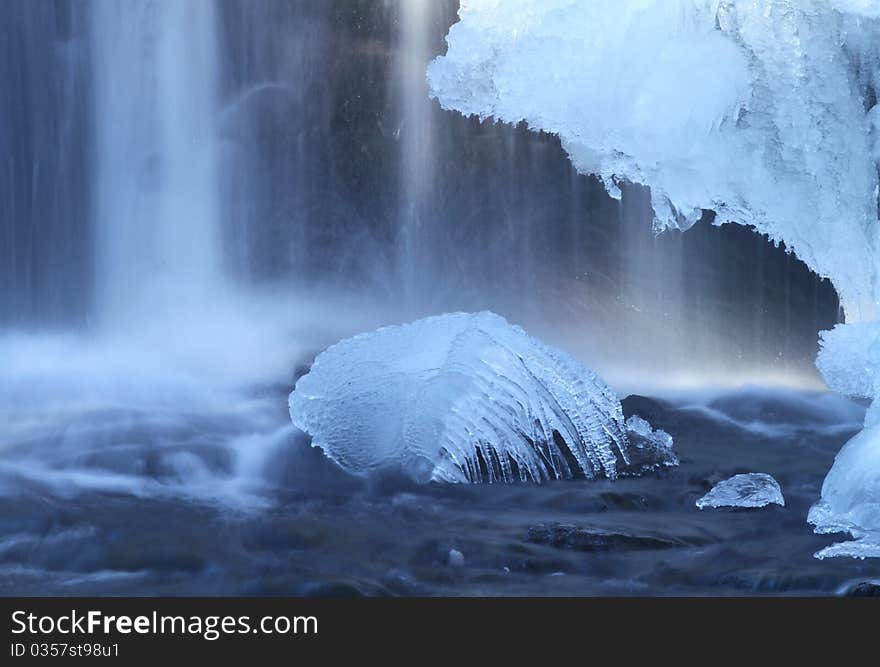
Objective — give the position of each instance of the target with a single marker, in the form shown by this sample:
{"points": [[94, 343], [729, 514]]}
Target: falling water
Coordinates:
{"points": [[416, 138], [45, 141], [158, 395], [156, 173]]}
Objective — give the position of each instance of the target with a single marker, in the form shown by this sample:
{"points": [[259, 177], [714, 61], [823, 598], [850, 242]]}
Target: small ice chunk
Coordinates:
{"points": [[649, 449], [754, 489], [456, 558]]}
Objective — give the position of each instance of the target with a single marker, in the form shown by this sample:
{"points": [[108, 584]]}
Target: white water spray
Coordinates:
{"points": [[416, 136], [156, 178]]}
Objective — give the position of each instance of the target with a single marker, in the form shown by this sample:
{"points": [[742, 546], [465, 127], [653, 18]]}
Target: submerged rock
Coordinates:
{"points": [[865, 589], [749, 490], [577, 538]]}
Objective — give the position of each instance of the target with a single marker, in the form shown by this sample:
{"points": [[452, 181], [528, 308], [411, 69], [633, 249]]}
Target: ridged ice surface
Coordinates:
{"points": [[749, 490], [462, 398]]}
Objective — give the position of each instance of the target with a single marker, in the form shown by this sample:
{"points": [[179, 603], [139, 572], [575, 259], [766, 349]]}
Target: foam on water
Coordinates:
{"points": [[190, 406]]}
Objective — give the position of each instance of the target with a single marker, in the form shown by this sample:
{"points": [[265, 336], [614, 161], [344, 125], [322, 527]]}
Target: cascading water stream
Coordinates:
{"points": [[173, 342], [416, 139], [155, 68]]}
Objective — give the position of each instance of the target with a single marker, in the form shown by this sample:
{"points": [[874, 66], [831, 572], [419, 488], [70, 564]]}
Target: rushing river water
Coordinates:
{"points": [[312, 530]]}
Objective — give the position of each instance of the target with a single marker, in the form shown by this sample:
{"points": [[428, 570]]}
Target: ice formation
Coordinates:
{"points": [[648, 448], [756, 110], [464, 398], [851, 491], [763, 111], [750, 490]]}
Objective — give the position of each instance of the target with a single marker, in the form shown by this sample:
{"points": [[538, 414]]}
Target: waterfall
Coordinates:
{"points": [[45, 240], [416, 138], [198, 195], [155, 181]]}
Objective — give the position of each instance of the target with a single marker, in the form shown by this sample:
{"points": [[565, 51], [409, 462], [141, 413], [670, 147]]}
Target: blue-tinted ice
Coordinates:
{"points": [[750, 490], [467, 398]]}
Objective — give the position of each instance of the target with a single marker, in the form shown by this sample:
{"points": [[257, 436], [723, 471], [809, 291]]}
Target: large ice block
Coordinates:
{"points": [[465, 398]]}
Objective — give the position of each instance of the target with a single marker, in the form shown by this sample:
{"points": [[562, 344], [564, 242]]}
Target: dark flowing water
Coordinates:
{"points": [[320, 532]]}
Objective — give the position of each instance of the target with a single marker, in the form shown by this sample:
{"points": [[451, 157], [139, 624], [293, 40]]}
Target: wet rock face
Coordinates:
{"points": [[865, 589], [569, 536]]}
